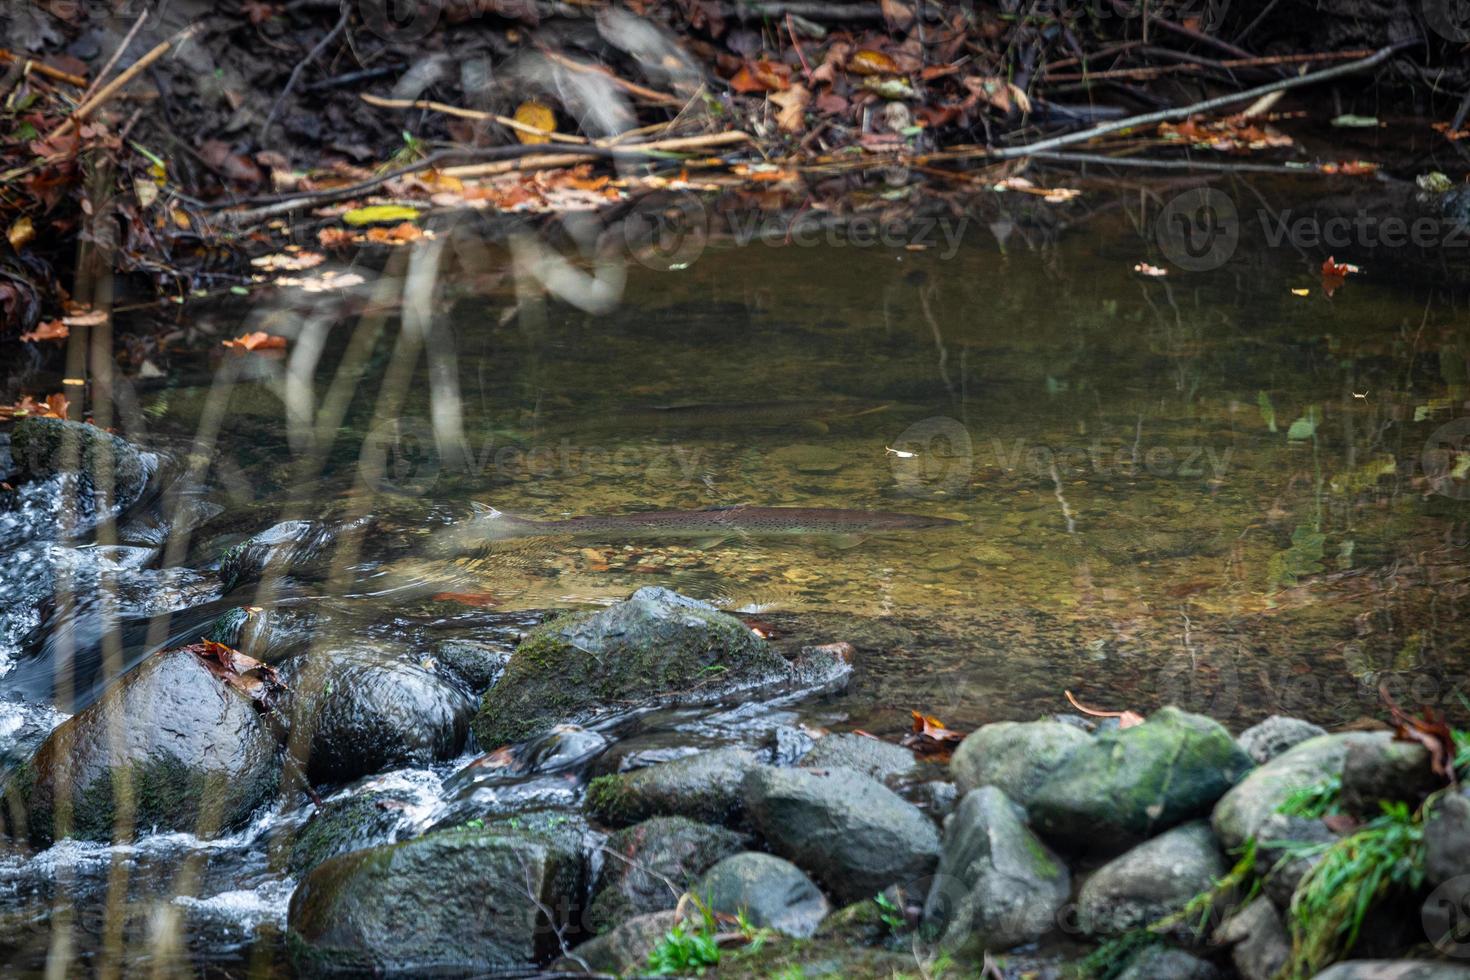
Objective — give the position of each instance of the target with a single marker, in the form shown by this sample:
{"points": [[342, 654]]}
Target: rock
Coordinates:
{"points": [[357, 712], [997, 886], [300, 547], [1242, 811], [771, 892], [347, 824], [658, 647], [869, 756], [98, 462], [646, 867], [1375, 772], [788, 743], [624, 949], [936, 798], [1014, 757], [852, 832], [1129, 784], [1265, 741], [1150, 881], [193, 752], [704, 787], [1278, 857], [860, 923], [456, 902], [269, 635], [1160, 962], [545, 772], [1394, 970], [1447, 839], [472, 664], [1260, 945]]}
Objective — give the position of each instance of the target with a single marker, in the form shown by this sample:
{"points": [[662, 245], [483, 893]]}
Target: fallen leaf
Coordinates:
{"points": [[256, 680], [53, 407], [258, 340], [47, 330], [1126, 719], [866, 61], [1150, 270], [1331, 267], [930, 737], [378, 214], [1429, 729], [793, 104], [538, 116], [1301, 292], [22, 232], [761, 76]]}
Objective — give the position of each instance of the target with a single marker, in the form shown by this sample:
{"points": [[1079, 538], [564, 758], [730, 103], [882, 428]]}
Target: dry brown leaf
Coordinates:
{"points": [[793, 104], [930, 737], [256, 680], [258, 340], [47, 330]]}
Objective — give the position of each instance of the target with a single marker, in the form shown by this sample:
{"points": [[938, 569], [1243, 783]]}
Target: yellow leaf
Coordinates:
{"points": [[537, 116], [380, 214], [21, 232], [1301, 292]]}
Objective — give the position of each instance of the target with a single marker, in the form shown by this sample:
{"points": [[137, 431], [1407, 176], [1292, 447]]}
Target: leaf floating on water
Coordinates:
{"points": [[538, 116], [380, 214], [258, 340], [257, 681], [930, 737], [1126, 719]]}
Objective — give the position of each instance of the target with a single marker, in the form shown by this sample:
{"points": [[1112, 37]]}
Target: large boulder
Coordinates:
{"points": [[1014, 757], [168, 746], [108, 473], [656, 648], [851, 832], [647, 867], [882, 761], [1152, 880], [704, 787], [998, 886], [452, 903], [360, 711], [770, 892], [1268, 739], [1128, 784], [1241, 812]]}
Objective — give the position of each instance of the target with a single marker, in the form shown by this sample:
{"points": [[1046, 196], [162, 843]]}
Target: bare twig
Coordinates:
{"points": [[116, 55], [116, 85], [41, 68], [311, 56], [632, 88], [450, 110]]}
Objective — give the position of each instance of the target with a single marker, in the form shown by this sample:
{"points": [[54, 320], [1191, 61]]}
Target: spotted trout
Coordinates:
{"points": [[706, 526]]}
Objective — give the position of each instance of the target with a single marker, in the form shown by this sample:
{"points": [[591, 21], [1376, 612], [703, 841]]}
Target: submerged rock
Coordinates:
{"points": [[110, 474], [656, 648], [358, 712], [1014, 757], [646, 867], [705, 787], [1265, 741], [1129, 784], [871, 757], [474, 665], [852, 832], [998, 886], [1151, 881], [192, 753], [302, 548], [456, 902], [269, 635], [1394, 970], [770, 892]]}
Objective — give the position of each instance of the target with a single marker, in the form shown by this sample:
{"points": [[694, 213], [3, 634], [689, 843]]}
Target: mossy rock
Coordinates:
{"points": [[647, 867], [704, 787], [100, 461], [658, 647], [349, 824]]}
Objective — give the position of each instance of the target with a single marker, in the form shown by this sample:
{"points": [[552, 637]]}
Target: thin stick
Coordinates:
{"points": [[1183, 112], [116, 55], [549, 160], [1216, 166], [311, 56], [450, 110], [41, 68], [632, 88], [1153, 71], [128, 74]]}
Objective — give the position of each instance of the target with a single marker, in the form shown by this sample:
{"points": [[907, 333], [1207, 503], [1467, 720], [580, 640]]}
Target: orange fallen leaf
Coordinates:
{"points": [[930, 737], [257, 681], [53, 407], [866, 61], [1126, 719], [258, 340], [761, 76], [47, 330]]}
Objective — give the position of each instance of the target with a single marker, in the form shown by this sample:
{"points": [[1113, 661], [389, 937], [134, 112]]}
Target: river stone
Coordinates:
{"points": [[657, 647], [455, 902], [1447, 839], [1014, 757], [771, 892], [194, 752], [364, 711], [1129, 784], [704, 787], [474, 665], [1383, 771], [1242, 811], [1259, 944], [998, 886], [302, 547], [1265, 741], [856, 835], [98, 460], [1160, 962], [347, 824], [1150, 881], [1394, 970], [1279, 859], [869, 756], [625, 948], [269, 635], [646, 867]]}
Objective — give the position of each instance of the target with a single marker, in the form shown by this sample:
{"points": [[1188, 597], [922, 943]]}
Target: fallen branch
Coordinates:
{"points": [[1184, 112], [107, 91], [450, 110], [41, 68], [546, 161], [632, 88], [1153, 71]]}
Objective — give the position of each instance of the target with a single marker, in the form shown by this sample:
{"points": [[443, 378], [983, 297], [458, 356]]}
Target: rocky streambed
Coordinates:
{"points": [[625, 790]]}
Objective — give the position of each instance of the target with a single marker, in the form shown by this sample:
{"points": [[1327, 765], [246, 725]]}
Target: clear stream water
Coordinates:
{"points": [[1201, 488]]}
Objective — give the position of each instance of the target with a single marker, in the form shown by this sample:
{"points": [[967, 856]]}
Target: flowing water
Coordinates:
{"points": [[1201, 488]]}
